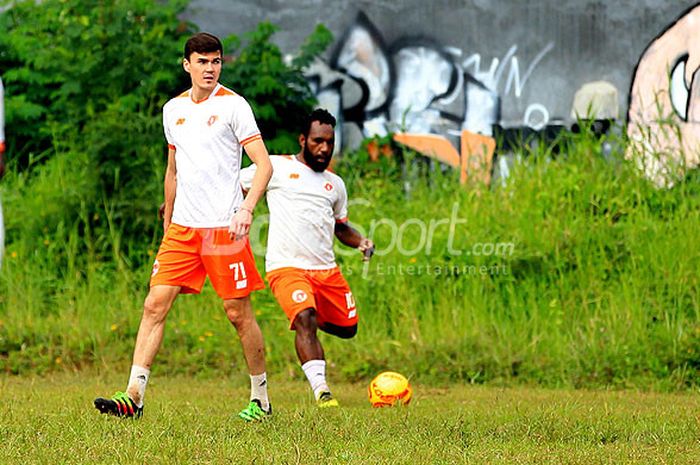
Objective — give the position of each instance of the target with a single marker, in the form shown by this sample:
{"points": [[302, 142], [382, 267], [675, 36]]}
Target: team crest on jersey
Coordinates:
{"points": [[328, 186], [180, 121], [294, 176], [212, 120], [299, 296]]}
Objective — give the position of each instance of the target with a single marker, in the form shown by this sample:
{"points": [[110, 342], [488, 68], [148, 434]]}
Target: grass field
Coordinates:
{"points": [[551, 318], [51, 420], [599, 293]]}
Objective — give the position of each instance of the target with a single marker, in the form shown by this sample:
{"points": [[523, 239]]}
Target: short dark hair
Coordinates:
{"points": [[203, 42], [321, 115]]}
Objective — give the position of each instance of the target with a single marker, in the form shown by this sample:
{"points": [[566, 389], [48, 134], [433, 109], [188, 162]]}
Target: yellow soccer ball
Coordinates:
{"points": [[389, 388]]}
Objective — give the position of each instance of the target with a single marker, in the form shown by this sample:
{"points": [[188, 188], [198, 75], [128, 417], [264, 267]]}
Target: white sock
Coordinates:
{"points": [[315, 371], [258, 390], [137, 384]]}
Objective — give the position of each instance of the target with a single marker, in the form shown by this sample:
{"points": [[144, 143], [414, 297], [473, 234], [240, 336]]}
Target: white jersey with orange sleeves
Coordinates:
{"points": [[304, 208], [208, 137]]}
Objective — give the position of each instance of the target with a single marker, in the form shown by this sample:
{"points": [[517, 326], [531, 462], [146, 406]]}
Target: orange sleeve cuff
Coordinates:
{"points": [[250, 139]]}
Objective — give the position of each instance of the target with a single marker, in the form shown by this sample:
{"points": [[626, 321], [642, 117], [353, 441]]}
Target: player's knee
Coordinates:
{"points": [[155, 309], [237, 312], [236, 319], [305, 321]]}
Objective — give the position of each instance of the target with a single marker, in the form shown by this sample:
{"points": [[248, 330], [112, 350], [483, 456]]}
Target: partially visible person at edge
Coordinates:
{"points": [[308, 206], [2, 164], [206, 222]]}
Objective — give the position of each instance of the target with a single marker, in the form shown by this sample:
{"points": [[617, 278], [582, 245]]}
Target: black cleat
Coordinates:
{"points": [[120, 405]]}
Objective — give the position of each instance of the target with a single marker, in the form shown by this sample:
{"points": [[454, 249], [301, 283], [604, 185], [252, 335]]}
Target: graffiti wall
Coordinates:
{"points": [[417, 85], [449, 66], [664, 109], [581, 41]]}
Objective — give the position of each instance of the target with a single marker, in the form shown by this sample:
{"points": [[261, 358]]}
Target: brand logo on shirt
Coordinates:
{"points": [[299, 296], [212, 120], [328, 186], [294, 176], [180, 121]]}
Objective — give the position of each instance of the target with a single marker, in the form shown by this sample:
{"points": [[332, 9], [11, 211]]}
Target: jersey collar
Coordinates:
{"points": [[213, 92]]}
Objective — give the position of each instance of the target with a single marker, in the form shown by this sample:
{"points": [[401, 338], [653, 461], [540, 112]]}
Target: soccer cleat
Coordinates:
{"points": [[255, 412], [326, 400], [120, 405]]}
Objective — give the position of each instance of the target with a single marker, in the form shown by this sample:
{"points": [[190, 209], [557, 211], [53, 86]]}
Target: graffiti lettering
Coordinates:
{"points": [[416, 85], [529, 119]]}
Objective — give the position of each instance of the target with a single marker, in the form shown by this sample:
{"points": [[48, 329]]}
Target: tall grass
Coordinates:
{"points": [[598, 287]]}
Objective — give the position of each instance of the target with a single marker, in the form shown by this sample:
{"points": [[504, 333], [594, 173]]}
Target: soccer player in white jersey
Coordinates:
{"points": [[206, 222], [308, 206]]}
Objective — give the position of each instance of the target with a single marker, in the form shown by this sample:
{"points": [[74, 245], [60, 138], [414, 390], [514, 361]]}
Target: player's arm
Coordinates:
{"points": [[169, 187], [242, 219], [247, 175], [352, 238]]}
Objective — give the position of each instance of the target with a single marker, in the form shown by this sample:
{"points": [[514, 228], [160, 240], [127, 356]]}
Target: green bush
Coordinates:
{"points": [[278, 91], [85, 85]]}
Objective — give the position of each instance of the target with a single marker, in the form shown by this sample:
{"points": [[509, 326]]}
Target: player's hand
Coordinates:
{"points": [[240, 224], [367, 248], [161, 216]]}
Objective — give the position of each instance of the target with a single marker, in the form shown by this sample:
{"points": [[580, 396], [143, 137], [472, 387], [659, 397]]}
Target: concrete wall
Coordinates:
{"points": [[503, 68], [576, 41]]}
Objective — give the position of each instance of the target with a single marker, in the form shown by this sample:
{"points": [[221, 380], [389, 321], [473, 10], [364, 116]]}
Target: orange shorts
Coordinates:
{"points": [[326, 291], [187, 255]]}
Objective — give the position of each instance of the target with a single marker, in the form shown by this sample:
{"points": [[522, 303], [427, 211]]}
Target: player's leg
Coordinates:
{"points": [[293, 291], [150, 336], [177, 269], [311, 356], [231, 269], [240, 314], [156, 307], [306, 342], [336, 313]]}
